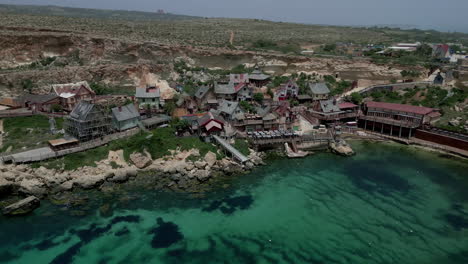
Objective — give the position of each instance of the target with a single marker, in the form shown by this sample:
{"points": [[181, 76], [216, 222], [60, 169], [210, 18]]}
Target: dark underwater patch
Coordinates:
{"points": [[122, 232], [68, 255], [368, 177], [45, 244], [458, 222], [230, 205], [165, 234], [88, 235], [7, 256], [127, 218]]}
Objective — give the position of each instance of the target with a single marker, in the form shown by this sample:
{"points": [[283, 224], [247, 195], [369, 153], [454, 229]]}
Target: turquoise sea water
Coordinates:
{"points": [[387, 204]]}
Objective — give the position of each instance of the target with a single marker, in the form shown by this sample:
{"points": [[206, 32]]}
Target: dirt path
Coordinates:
{"points": [[1, 133]]}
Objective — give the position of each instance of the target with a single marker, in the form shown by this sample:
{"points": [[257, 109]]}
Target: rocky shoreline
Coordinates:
{"points": [[181, 171]]}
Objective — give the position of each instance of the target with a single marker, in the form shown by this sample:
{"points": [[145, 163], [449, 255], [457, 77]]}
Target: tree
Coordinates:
{"points": [[258, 97], [356, 98], [329, 47], [169, 107], [56, 108], [182, 124], [247, 107], [27, 85]]}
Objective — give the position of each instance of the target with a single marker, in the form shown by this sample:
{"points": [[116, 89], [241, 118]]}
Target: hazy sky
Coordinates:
{"points": [[445, 15]]}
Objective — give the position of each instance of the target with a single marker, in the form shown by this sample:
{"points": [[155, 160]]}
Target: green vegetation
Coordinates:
{"points": [[336, 87], [258, 97], [329, 47], [356, 98], [248, 107], [181, 124], [214, 32], [242, 146], [158, 143], [27, 132], [169, 107], [410, 73], [270, 45], [27, 85]]}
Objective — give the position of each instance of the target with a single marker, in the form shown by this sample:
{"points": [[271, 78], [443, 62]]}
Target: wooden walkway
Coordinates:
{"points": [[46, 153], [228, 147]]}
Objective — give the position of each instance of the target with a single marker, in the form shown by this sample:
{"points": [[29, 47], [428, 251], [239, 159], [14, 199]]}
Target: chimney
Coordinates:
{"points": [[120, 108]]}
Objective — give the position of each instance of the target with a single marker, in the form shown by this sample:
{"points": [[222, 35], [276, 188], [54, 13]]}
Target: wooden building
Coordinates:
{"points": [[396, 119], [40, 103], [258, 78], [210, 124], [87, 121], [148, 97], [319, 91], [125, 117], [72, 93], [332, 111], [288, 90]]}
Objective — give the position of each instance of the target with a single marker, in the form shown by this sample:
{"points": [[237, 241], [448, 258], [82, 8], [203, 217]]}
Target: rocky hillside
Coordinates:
{"points": [[124, 53]]}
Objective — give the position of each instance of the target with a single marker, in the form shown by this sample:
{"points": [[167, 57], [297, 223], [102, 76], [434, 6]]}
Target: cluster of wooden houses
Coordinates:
{"points": [[218, 109]]}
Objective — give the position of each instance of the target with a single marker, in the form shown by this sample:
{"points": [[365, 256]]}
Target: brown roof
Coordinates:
{"points": [[346, 105], [401, 107]]}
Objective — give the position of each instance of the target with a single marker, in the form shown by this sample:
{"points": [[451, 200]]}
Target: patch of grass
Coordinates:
{"points": [[114, 165], [158, 145], [242, 146], [28, 132]]}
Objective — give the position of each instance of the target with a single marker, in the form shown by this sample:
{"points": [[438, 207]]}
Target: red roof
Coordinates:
{"points": [[346, 105], [402, 107], [239, 86]]}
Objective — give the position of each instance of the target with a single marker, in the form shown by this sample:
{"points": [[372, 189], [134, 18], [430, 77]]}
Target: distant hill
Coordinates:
{"points": [[90, 13], [257, 34]]}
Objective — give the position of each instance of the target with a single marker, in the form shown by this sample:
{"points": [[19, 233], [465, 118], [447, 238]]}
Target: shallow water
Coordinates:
{"points": [[388, 204]]}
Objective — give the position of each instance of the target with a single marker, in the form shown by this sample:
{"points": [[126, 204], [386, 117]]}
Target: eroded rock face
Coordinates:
{"points": [[141, 161], [22, 207]]}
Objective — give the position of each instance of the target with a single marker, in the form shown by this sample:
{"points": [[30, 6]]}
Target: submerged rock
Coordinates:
{"points": [[22, 207]]}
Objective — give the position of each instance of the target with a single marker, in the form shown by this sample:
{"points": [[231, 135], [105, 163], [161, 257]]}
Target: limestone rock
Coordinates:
{"points": [[119, 176], [341, 148], [66, 186], [22, 207], [454, 122], [200, 164], [141, 161], [203, 175], [89, 181], [32, 187], [210, 158]]}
